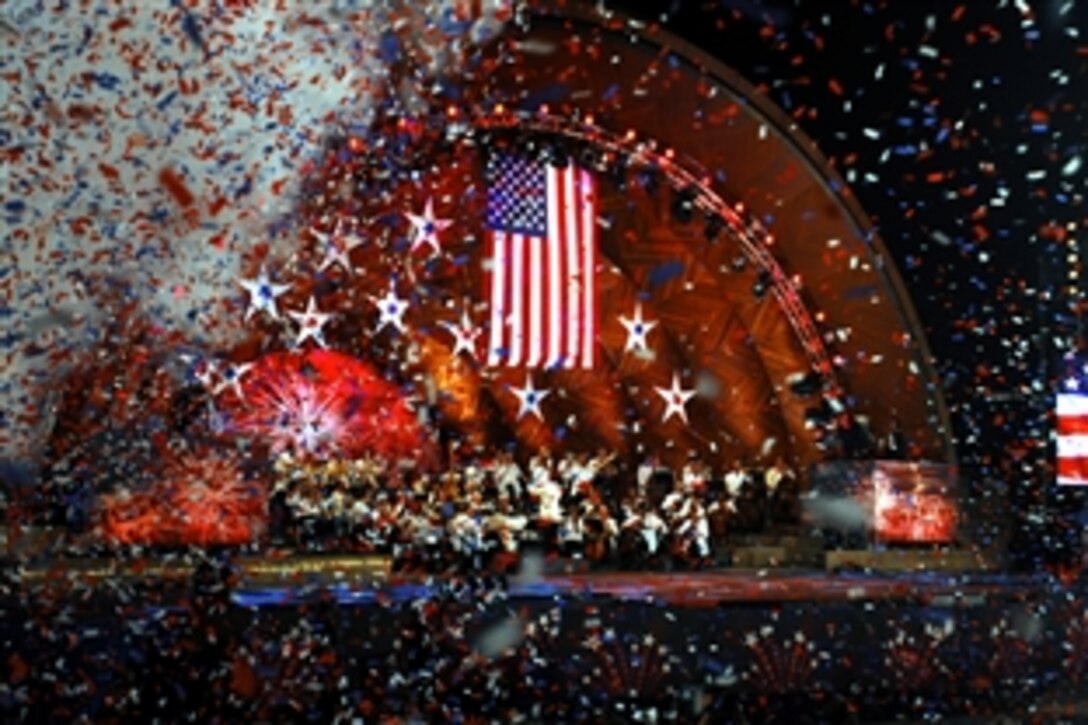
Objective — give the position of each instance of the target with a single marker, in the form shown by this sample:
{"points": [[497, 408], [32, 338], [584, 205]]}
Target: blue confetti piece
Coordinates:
{"points": [[166, 100], [244, 189], [106, 81], [71, 199], [559, 364], [389, 48], [860, 292], [662, 273], [450, 23], [85, 39], [547, 95], [190, 25]]}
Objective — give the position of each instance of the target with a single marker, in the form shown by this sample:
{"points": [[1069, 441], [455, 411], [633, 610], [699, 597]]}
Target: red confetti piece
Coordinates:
{"points": [[176, 187], [217, 205], [81, 113]]}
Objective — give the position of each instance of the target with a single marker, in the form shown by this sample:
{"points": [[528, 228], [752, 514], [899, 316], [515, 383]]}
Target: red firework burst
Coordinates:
{"points": [[780, 667], [630, 667], [915, 662], [203, 499], [320, 404]]}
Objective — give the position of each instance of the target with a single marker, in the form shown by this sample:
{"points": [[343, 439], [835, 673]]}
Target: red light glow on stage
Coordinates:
{"points": [[912, 504]]}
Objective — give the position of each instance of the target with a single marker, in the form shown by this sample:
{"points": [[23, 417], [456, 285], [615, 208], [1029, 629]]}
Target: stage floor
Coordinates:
{"points": [[689, 589], [711, 588], [282, 579]]}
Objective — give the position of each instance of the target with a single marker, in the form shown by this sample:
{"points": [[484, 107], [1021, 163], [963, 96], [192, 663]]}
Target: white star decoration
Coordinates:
{"points": [[392, 309], [263, 294], [637, 330], [338, 246], [232, 379], [529, 398], [464, 335], [310, 323], [426, 227], [676, 398]]}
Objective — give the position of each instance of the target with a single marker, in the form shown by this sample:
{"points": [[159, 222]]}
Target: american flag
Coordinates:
{"points": [[1073, 439], [542, 253]]}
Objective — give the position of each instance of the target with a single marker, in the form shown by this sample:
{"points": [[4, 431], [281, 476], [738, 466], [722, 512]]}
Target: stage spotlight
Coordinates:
{"points": [[762, 284], [714, 226], [683, 204]]}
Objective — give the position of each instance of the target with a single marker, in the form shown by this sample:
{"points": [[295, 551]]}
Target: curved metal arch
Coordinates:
{"points": [[804, 149]]}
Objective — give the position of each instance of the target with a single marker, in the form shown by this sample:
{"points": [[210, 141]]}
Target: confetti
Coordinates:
{"points": [[200, 198]]}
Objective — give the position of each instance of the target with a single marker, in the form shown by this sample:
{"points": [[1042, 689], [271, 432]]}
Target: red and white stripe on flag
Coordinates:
{"points": [[541, 277], [1072, 439]]}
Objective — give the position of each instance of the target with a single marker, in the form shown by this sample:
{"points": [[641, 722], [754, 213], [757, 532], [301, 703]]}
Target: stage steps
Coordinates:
{"points": [[908, 560], [771, 551], [269, 571]]}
